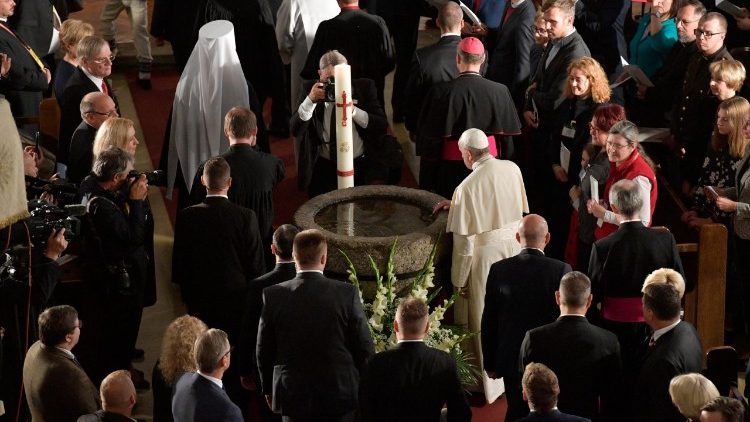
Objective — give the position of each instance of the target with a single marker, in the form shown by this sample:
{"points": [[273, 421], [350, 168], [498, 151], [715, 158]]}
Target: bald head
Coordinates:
{"points": [[118, 393], [450, 18], [533, 232], [96, 107]]}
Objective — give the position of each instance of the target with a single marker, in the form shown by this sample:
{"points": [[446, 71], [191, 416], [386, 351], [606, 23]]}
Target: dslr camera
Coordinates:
{"points": [[330, 88], [154, 178]]}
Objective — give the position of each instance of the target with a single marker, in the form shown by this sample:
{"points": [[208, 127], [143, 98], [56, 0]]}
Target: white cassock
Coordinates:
{"points": [[296, 23], [211, 84], [484, 215]]}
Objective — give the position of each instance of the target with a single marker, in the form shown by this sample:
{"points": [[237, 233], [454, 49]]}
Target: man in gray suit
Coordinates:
{"points": [[56, 387]]}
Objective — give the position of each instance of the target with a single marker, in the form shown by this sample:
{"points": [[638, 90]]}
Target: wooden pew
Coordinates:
{"points": [[704, 256]]}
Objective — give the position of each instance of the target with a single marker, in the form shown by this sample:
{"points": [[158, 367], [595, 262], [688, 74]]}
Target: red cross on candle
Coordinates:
{"points": [[344, 105]]}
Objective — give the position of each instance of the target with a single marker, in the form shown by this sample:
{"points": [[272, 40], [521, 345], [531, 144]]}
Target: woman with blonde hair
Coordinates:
{"points": [[587, 89], [727, 77], [689, 392], [71, 32], [118, 132], [176, 358], [721, 163]]}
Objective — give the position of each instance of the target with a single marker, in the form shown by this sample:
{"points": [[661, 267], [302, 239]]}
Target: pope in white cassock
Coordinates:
{"points": [[484, 215]]}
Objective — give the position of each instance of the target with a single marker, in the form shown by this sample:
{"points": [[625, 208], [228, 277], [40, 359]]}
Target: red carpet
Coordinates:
{"points": [[153, 108]]}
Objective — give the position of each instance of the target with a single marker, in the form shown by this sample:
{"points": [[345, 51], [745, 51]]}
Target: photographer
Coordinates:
{"points": [[115, 236], [315, 132], [28, 270]]}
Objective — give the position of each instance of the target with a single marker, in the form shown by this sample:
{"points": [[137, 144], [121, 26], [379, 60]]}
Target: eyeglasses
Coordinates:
{"points": [[108, 114], [705, 34], [685, 22], [616, 146], [594, 128], [102, 60]]}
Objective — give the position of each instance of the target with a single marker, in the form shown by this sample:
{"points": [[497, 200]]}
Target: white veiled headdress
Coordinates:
{"points": [[211, 84]]}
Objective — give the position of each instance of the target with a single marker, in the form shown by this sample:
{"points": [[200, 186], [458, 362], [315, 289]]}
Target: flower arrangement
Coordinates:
{"points": [[381, 312]]}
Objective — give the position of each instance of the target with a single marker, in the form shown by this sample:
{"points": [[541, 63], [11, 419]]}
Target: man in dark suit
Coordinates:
{"points": [[547, 89], [313, 340], [226, 236], [57, 388], [96, 64], [200, 396], [118, 399], [283, 239], [313, 127], [601, 24], [585, 358], [672, 349], [565, 45], [433, 64], [540, 389], [510, 60], [96, 107], [28, 76], [34, 22], [723, 409], [361, 37], [520, 296], [255, 174], [412, 381]]}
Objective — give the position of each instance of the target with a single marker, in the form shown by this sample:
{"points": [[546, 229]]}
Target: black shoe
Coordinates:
{"points": [[138, 355], [144, 84]]}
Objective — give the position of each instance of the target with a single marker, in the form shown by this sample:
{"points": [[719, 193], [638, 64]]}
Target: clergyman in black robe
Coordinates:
{"points": [[362, 38], [469, 101]]}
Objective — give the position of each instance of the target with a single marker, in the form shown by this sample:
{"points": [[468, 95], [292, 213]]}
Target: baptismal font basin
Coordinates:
{"points": [[367, 220]]}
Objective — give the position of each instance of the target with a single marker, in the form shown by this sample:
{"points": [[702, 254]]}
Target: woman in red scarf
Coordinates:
{"points": [[627, 161]]}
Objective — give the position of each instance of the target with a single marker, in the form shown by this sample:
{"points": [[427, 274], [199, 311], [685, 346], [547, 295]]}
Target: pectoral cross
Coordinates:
{"points": [[344, 105]]}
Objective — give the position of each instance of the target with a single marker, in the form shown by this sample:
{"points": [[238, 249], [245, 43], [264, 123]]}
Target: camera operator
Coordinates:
{"points": [[315, 132], [115, 267], [28, 270]]}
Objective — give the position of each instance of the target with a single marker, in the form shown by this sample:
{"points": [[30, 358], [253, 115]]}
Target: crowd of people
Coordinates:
{"points": [[551, 127]]}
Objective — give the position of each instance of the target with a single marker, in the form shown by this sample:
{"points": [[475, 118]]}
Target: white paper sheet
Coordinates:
{"points": [[564, 157]]}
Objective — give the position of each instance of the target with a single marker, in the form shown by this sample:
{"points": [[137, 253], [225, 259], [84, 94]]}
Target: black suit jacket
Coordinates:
{"points": [[253, 306], [520, 296], [412, 382], [313, 341], [309, 133], [81, 156], [104, 416], [621, 261], [32, 20], [217, 251], [553, 416], [586, 360], [550, 80], [431, 65], [676, 352], [25, 81], [510, 60], [197, 399], [601, 25], [70, 108]]}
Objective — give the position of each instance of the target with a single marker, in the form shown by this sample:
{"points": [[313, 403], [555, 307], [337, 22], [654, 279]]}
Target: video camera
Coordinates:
{"points": [[47, 218], [154, 178], [64, 193]]}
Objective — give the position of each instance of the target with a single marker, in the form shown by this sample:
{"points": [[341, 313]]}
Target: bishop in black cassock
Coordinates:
{"points": [[469, 101]]}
